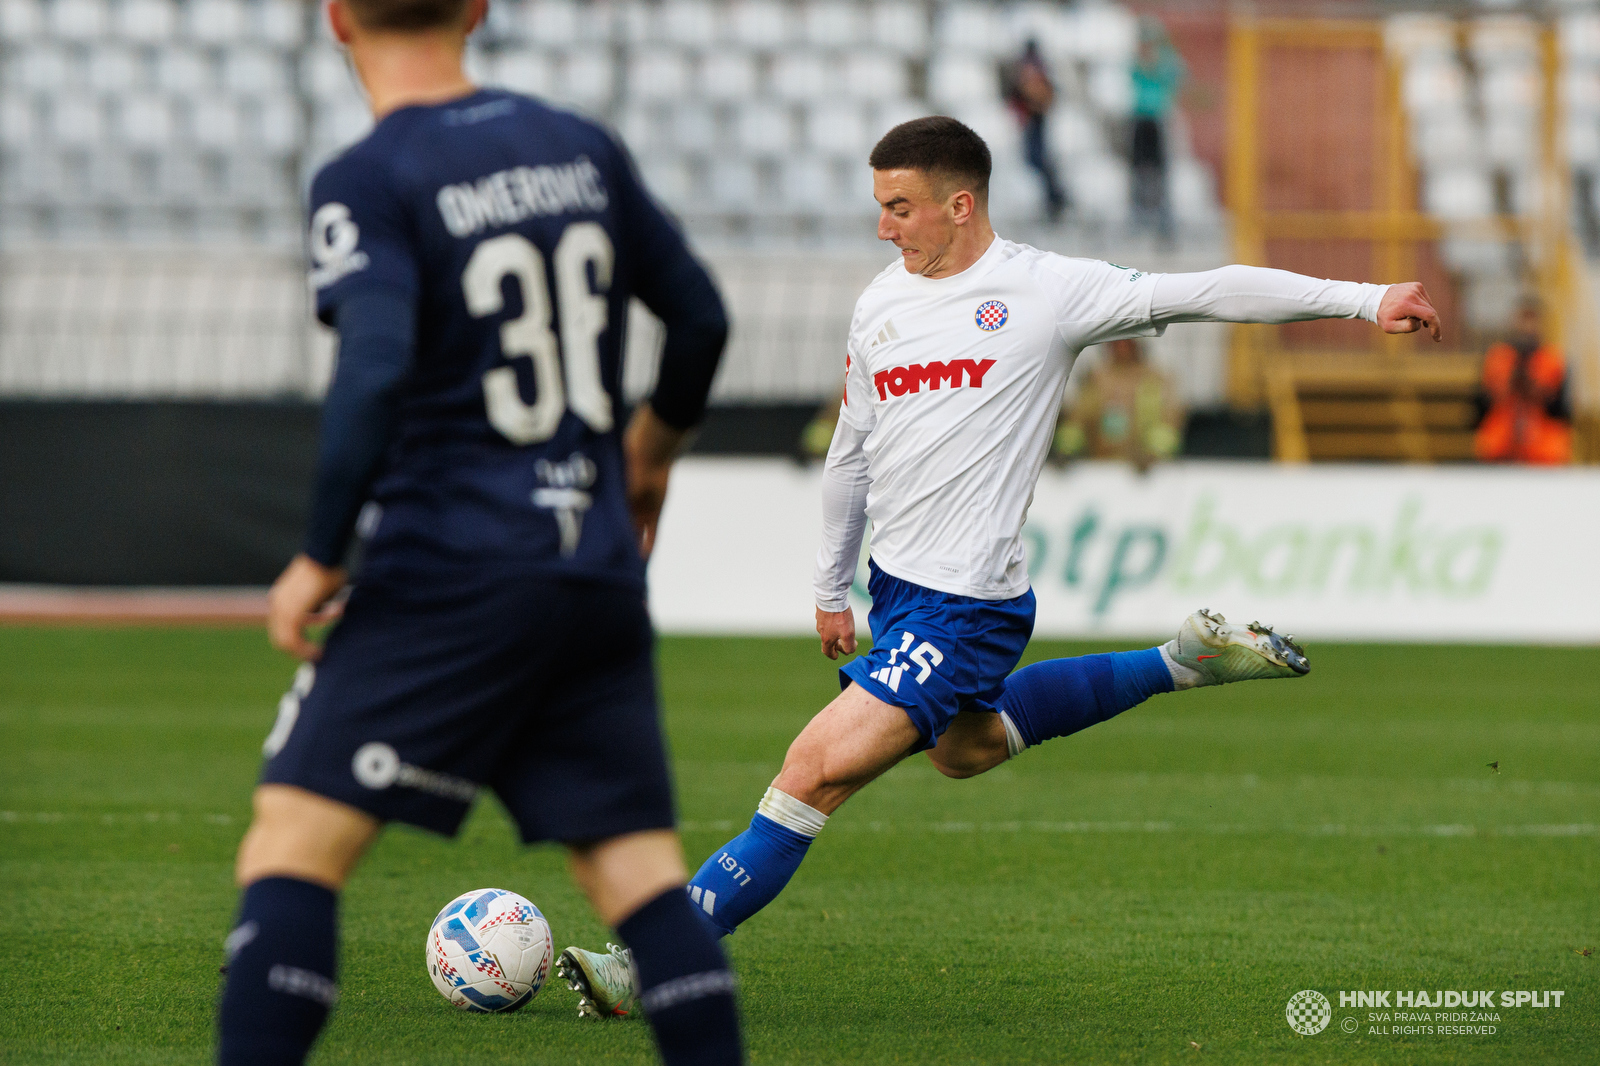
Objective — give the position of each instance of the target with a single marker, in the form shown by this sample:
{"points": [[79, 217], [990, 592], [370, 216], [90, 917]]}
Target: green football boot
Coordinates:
{"points": [[604, 982], [1221, 652]]}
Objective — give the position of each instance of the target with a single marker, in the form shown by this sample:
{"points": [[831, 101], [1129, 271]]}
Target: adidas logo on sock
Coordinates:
{"points": [[706, 898]]}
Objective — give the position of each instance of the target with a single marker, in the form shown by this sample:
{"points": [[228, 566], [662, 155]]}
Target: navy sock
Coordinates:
{"points": [[1058, 697], [282, 962], [684, 984], [747, 873]]}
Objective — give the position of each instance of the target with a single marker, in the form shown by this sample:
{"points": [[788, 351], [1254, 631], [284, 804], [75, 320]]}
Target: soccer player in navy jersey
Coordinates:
{"points": [[477, 253]]}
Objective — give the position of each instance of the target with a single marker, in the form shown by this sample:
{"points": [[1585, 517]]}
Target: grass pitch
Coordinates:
{"points": [[1151, 890]]}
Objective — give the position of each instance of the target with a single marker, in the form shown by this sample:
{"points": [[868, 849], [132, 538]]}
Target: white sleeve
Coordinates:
{"points": [[1259, 294], [844, 516], [1096, 302]]}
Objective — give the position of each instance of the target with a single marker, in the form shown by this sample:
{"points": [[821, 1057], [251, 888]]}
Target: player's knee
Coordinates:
{"points": [[958, 764]]}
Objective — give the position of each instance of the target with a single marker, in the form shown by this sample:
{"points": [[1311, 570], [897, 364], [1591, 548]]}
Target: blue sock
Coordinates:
{"points": [[747, 873], [282, 962], [1058, 697], [685, 986]]}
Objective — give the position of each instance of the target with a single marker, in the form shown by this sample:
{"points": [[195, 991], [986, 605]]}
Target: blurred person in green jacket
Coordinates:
{"points": [[1125, 409]]}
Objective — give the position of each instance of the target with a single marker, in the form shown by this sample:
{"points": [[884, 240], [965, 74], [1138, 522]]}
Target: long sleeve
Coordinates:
{"points": [[376, 342], [844, 516], [1259, 294]]}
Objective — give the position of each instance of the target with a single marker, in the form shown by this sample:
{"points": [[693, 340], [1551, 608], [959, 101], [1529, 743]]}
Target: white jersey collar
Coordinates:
{"points": [[981, 266]]}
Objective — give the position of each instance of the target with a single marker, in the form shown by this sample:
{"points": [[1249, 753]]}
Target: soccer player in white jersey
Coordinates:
{"points": [[956, 361]]}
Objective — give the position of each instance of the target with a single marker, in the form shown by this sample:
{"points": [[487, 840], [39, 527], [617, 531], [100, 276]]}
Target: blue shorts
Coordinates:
{"points": [[936, 654], [541, 688]]}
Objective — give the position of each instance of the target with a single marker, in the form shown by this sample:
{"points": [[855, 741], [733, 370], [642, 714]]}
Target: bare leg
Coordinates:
{"points": [[622, 874], [851, 741], [299, 834], [974, 743]]}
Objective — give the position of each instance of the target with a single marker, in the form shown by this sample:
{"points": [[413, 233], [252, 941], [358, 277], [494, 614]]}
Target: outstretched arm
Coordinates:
{"points": [[844, 519], [1260, 294]]}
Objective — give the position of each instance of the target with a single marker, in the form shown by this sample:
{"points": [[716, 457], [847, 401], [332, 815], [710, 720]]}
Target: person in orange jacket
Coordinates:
{"points": [[1524, 391]]}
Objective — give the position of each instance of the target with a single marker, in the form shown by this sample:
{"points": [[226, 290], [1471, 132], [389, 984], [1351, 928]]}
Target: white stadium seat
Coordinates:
{"points": [[42, 69], [1107, 33], [1580, 90], [178, 177], [214, 123], [1503, 38], [1434, 83], [899, 26], [147, 21], [804, 75], [833, 24], [837, 128], [216, 22], [874, 75], [1099, 186], [667, 178], [554, 23], [282, 23], [21, 20], [693, 128], [587, 79], [325, 74], [113, 69], [78, 20], [658, 74], [279, 126], [806, 185], [1459, 193], [1014, 191], [77, 121], [1516, 88], [734, 184], [996, 124], [688, 24], [642, 129], [887, 114], [254, 73], [955, 78], [1511, 141], [1446, 137], [1580, 37], [476, 63], [763, 24], [1416, 36], [1110, 87], [341, 125], [1073, 131], [1192, 192], [524, 70], [764, 128], [960, 26], [182, 71], [18, 122], [145, 121], [1583, 143], [727, 76]]}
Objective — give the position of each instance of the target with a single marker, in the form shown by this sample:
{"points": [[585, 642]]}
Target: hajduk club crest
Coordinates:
{"points": [[991, 315]]}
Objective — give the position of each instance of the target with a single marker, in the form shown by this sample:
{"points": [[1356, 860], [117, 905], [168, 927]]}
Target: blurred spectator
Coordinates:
{"points": [[1126, 409], [1030, 94], [1524, 398], [1157, 75]]}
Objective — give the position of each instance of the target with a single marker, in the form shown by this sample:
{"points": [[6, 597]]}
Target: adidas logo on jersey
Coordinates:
{"points": [[897, 381]]}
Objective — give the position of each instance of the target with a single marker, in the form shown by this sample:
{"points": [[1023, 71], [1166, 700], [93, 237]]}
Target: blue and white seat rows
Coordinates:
{"points": [[175, 120]]}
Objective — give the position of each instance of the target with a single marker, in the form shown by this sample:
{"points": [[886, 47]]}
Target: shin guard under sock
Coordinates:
{"points": [[282, 964], [684, 985], [749, 871], [1059, 697]]}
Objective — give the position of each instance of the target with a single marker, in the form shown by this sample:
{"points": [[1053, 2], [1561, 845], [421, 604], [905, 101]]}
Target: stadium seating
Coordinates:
{"points": [[101, 97]]}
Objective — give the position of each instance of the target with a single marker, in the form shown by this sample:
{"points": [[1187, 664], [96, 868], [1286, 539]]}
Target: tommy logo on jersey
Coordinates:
{"points": [[899, 380], [991, 315]]}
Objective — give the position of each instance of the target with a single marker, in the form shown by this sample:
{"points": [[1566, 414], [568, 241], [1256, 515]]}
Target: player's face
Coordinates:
{"points": [[919, 222]]}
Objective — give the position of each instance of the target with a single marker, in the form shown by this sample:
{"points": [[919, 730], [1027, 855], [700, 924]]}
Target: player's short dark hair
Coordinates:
{"points": [[944, 149], [406, 15]]}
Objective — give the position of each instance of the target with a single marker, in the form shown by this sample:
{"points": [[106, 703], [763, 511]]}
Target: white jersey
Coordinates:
{"points": [[957, 382]]}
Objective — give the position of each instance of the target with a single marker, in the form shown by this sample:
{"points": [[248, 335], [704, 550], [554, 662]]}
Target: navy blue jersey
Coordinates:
{"points": [[514, 234]]}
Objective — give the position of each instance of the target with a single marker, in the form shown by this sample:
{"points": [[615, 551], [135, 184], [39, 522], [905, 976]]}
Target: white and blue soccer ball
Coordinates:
{"points": [[489, 950]]}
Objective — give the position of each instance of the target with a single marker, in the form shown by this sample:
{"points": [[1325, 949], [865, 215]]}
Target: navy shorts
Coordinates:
{"points": [[540, 688], [936, 654]]}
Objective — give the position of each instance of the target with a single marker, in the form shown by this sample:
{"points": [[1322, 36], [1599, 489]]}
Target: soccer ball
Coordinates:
{"points": [[489, 950]]}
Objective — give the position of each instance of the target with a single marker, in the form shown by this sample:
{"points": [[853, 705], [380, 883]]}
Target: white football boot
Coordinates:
{"points": [[1220, 652], [604, 982]]}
